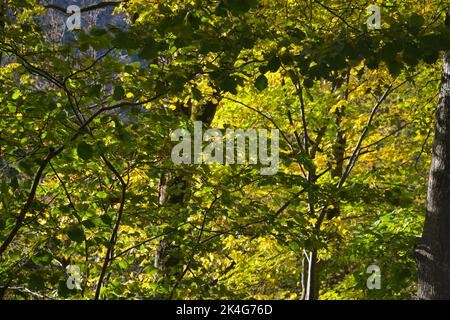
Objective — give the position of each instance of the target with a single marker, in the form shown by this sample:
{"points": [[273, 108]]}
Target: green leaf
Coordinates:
{"points": [[177, 84], [63, 290], [16, 95], [52, 105], [124, 40], [229, 84], [394, 68], [12, 108], [372, 62], [94, 91], [76, 233], [119, 93], [274, 64], [294, 246], [36, 281], [196, 93], [263, 69], [411, 54], [415, 21], [89, 224], [430, 56], [122, 264], [261, 82], [238, 7], [150, 50], [85, 151], [389, 52], [106, 219], [42, 258], [102, 195], [304, 159]]}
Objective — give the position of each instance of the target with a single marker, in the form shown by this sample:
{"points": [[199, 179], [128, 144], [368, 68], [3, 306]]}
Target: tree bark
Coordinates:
{"points": [[310, 276], [433, 252], [2, 26]]}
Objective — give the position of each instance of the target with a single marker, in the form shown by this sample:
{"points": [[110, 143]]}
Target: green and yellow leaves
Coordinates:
{"points": [[42, 258], [227, 218]]}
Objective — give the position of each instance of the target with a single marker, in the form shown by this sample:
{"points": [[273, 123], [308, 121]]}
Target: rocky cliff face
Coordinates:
{"points": [[54, 22]]}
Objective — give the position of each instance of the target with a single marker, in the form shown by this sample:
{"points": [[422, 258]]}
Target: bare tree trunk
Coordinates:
{"points": [[311, 268], [310, 276], [433, 252]]}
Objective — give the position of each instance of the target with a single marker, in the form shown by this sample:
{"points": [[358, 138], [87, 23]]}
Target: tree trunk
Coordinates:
{"points": [[168, 255], [310, 276], [433, 252]]}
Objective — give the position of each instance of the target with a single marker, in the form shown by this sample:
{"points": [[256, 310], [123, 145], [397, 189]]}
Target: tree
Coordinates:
{"points": [[86, 177], [433, 252]]}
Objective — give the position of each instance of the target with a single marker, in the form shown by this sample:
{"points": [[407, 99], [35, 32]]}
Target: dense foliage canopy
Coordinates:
{"points": [[89, 194]]}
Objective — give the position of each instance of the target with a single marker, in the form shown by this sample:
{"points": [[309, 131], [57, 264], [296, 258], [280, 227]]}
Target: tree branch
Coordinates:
{"points": [[355, 154], [37, 179], [113, 238], [97, 6]]}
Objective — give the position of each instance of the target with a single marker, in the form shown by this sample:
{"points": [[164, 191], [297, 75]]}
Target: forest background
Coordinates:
{"points": [[93, 207]]}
